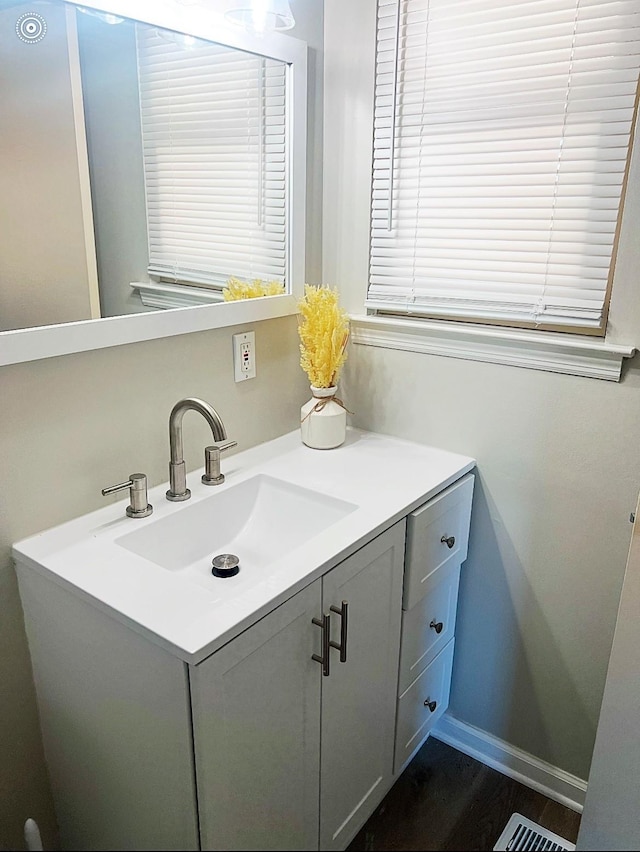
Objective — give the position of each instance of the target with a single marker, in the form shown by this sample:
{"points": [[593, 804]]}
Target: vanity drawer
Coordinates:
{"points": [[429, 625], [437, 535], [420, 706]]}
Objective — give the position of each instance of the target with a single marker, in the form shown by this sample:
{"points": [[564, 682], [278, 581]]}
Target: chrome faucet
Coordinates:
{"points": [[178, 490]]}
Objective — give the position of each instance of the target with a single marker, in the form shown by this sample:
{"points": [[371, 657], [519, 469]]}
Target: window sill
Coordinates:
{"points": [[154, 294], [550, 351]]}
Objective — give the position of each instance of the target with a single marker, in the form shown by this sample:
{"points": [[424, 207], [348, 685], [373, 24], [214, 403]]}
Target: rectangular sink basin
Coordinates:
{"points": [[259, 520]]}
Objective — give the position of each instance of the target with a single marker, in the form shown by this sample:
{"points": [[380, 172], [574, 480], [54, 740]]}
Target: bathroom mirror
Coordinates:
{"points": [[149, 153]]}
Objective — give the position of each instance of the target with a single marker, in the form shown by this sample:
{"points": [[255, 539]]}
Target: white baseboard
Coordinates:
{"points": [[553, 782]]}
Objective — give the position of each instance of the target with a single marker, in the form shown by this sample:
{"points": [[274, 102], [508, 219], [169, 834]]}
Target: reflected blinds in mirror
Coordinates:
{"points": [[502, 131], [215, 161]]}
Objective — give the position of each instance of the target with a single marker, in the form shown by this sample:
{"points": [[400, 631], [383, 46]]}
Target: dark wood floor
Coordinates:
{"points": [[445, 800]]}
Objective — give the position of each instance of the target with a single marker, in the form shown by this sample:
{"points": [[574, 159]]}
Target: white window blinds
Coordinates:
{"points": [[502, 132], [215, 161]]}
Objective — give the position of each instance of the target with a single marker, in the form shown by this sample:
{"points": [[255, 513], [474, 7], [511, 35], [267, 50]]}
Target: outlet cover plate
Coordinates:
{"points": [[244, 356]]}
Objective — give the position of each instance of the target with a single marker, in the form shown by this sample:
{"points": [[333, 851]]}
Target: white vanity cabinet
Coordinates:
{"points": [[279, 747], [274, 713]]}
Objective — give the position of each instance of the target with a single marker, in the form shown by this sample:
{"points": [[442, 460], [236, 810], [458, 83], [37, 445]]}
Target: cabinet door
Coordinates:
{"points": [[256, 717], [358, 697]]}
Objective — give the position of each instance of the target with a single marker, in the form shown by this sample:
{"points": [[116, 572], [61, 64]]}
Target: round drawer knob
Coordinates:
{"points": [[437, 626], [448, 540], [431, 705]]}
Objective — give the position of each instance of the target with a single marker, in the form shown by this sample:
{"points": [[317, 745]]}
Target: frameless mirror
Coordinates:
{"points": [[141, 168]]}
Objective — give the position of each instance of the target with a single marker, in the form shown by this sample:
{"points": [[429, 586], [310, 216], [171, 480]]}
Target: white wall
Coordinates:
{"points": [[43, 260], [109, 71], [71, 425], [559, 469]]}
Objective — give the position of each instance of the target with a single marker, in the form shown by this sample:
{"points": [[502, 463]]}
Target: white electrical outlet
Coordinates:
{"points": [[244, 356]]}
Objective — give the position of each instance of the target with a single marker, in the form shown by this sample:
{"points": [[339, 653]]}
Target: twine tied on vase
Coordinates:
{"points": [[321, 403]]}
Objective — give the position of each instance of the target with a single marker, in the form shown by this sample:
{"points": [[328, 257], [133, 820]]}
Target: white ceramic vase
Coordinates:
{"points": [[323, 421]]}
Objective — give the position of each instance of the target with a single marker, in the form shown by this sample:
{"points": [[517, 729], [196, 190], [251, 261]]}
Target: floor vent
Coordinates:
{"points": [[523, 834]]}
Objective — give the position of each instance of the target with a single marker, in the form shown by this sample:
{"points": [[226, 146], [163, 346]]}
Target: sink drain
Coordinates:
{"points": [[225, 565]]}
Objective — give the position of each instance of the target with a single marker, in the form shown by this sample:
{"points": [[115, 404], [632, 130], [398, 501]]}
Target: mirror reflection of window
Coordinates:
{"points": [[188, 162], [213, 130], [90, 210]]}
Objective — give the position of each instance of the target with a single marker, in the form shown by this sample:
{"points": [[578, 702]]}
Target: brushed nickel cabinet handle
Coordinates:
{"points": [[431, 705], [343, 612], [449, 541], [436, 625], [325, 624]]}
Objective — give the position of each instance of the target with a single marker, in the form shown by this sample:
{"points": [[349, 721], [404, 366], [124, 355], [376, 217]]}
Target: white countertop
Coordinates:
{"points": [[386, 478]]}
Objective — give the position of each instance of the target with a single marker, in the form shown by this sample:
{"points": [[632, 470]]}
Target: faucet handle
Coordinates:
{"points": [[137, 483], [212, 475]]}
